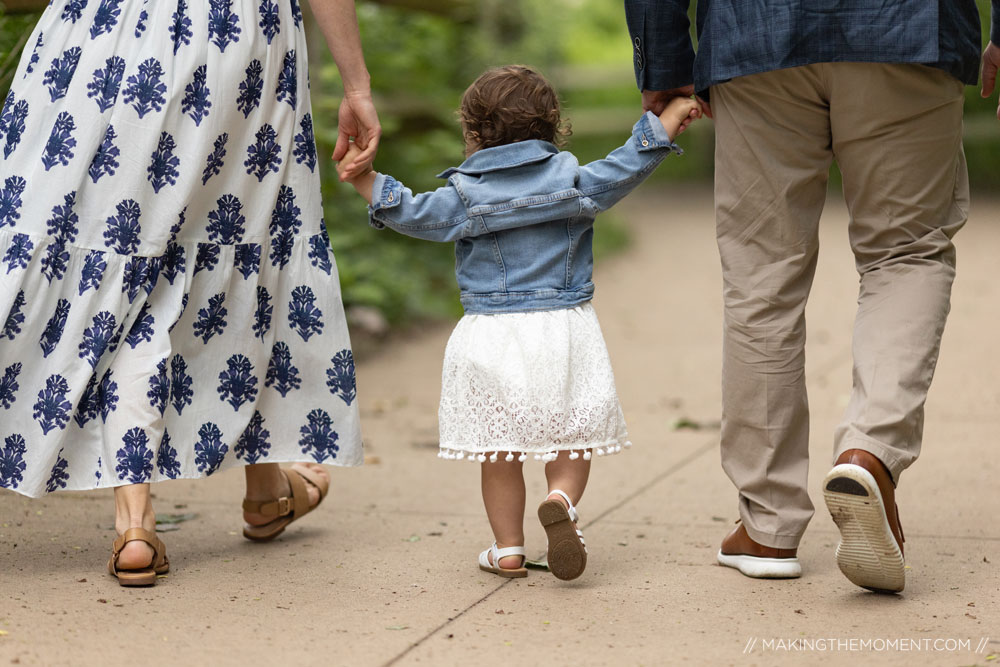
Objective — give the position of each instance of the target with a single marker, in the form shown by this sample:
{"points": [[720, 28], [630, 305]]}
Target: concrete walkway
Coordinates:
{"points": [[385, 573]]}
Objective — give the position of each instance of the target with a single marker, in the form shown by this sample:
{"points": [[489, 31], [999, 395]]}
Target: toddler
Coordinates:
{"points": [[526, 371]]}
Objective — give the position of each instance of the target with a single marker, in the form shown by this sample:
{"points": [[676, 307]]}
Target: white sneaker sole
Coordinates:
{"points": [[868, 554], [762, 568]]}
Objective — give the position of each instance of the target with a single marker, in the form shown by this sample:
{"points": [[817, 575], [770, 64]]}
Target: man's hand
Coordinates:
{"points": [[991, 64], [656, 100], [357, 119]]}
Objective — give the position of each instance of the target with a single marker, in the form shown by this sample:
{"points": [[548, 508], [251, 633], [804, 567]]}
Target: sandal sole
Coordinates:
{"points": [[250, 534], [868, 554], [147, 577], [567, 556], [517, 573]]}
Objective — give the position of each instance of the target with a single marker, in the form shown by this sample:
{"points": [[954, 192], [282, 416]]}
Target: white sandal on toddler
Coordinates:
{"points": [[494, 567], [567, 552]]}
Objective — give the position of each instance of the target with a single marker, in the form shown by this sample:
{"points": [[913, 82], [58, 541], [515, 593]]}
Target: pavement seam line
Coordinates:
{"points": [[444, 624], [690, 458]]}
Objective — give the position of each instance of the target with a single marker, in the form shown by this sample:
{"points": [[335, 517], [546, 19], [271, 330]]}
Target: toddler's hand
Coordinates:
{"points": [[363, 181], [679, 113], [352, 152]]}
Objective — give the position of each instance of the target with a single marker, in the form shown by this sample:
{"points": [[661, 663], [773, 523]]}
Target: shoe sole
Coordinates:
{"points": [[868, 554], [567, 556], [762, 568], [144, 577], [506, 573]]}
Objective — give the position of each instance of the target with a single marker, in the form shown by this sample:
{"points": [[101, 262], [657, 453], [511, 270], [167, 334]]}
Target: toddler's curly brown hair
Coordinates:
{"points": [[509, 104]]}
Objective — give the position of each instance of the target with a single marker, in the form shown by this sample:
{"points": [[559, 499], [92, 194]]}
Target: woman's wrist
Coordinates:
{"points": [[358, 86]]}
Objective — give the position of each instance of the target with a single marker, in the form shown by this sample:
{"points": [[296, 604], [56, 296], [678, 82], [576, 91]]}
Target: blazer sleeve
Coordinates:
{"points": [[995, 23], [662, 54]]}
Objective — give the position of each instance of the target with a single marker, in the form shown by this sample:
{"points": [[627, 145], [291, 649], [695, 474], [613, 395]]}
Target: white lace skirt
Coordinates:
{"points": [[538, 383]]}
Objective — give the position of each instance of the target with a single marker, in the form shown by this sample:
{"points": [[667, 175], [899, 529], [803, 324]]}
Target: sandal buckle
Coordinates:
{"points": [[284, 506]]}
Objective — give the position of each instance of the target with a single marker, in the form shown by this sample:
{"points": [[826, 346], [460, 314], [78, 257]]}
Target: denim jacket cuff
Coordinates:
{"points": [[650, 135], [386, 193]]}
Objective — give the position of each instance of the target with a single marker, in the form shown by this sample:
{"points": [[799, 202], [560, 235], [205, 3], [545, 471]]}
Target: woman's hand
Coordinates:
{"points": [[357, 120]]}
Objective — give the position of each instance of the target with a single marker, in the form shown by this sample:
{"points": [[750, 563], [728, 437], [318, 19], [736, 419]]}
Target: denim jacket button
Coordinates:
{"points": [[391, 197], [645, 141]]}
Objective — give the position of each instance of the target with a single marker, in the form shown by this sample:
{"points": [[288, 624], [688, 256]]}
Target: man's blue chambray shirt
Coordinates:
{"points": [[521, 216], [740, 37]]}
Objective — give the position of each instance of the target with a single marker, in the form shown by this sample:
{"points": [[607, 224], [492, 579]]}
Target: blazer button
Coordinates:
{"points": [[638, 43]]}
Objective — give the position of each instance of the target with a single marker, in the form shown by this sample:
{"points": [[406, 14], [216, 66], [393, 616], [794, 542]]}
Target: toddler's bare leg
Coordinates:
{"points": [[568, 476], [503, 495]]}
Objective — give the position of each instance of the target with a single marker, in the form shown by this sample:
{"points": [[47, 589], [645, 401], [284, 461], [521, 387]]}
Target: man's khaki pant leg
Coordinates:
{"points": [[772, 159], [896, 133], [897, 137]]}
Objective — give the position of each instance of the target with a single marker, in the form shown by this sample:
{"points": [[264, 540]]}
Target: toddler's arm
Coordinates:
{"points": [[607, 181], [440, 215]]}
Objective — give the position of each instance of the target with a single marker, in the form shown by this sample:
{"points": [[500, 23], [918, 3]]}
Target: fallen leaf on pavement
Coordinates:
{"points": [[396, 627], [693, 425]]}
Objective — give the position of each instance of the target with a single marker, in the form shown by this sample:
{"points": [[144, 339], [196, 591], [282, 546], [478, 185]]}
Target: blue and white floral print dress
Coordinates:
{"points": [[169, 305]]}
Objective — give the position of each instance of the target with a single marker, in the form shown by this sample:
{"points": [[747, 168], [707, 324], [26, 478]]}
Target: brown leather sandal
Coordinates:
{"points": [[285, 510], [145, 576]]}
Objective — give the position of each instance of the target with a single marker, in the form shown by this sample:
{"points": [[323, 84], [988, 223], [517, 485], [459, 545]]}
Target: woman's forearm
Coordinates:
{"points": [[339, 23]]}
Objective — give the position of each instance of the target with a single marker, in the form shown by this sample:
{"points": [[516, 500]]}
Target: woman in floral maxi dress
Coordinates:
{"points": [[169, 305]]}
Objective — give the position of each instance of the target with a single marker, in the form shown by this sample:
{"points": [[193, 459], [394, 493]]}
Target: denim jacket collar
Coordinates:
{"points": [[503, 157]]}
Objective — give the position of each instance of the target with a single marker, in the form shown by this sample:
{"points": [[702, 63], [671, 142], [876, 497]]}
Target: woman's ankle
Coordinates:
{"points": [[134, 508]]}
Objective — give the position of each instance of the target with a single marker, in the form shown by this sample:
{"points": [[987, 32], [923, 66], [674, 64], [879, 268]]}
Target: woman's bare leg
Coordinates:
{"points": [[134, 509]]}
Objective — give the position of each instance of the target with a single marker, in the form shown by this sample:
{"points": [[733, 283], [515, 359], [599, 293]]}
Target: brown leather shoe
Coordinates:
{"points": [[753, 559], [862, 500]]}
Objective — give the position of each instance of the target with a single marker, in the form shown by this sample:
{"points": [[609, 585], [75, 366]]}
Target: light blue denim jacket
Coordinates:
{"points": [[522, 216]]}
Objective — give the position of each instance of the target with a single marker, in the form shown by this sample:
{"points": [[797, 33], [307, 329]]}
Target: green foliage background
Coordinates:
{"points": [[422, 54]]}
